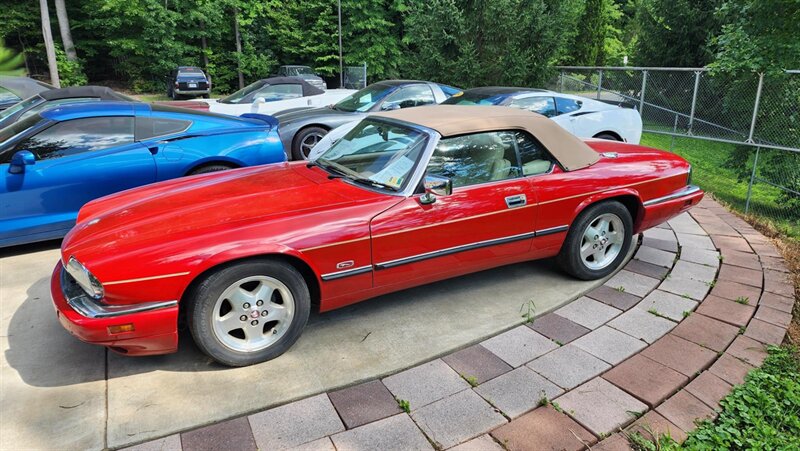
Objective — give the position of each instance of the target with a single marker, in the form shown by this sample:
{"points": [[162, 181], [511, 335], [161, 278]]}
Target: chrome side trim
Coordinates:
{"points": [[90, 308], [453, 250], [685, 191], [346, 273], [552, 230]]}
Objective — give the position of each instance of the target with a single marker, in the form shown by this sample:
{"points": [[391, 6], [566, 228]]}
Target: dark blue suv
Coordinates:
{"points": [[188, 81]]}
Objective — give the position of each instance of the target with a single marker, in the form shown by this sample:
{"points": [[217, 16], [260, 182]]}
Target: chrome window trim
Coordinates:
{"points": [[685, 191]]}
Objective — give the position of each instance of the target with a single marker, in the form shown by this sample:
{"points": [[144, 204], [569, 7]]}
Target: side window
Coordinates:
{"points": [[279, 92], [8, 96], [415, 95], [151, 127], [542, 105], [533, 155], [567, 105], [477, 158], [78, 136]]}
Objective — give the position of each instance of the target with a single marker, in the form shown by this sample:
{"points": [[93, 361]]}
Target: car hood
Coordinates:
{"points": [[294, 115], [210, 203]]}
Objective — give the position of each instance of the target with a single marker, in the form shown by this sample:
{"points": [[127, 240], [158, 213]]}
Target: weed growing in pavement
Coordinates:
{"points": [[543, 401], [743, 300], [471, 380], [621, 289], [403, 404], [686, 313], [528, 310]]}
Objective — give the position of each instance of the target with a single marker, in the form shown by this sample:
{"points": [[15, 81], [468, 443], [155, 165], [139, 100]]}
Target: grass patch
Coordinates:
{"points": [[708, 160], [762, 413]]}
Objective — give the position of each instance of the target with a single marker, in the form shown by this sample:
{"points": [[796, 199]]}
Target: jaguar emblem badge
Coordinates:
{"points": [[345, 264]]}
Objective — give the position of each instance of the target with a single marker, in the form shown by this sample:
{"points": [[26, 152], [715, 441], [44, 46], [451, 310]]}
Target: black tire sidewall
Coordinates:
{"points": [[570, 259], [607, 137], [203, 297], [297, 152], [209, 168]]}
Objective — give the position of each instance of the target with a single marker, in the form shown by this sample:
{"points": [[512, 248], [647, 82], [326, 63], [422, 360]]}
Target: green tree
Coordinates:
{"points": [[10, 61], [675, 33]]}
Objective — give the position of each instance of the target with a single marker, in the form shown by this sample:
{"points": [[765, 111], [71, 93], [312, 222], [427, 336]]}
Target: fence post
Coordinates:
{"points": [[561, 81], [365, 74], [599, 83], [674, 132], [752, 178], [755, 108], [694, 100], [641, 94]]}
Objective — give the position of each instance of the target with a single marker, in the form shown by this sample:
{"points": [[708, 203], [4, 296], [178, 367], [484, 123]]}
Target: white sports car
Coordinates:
{"points": [[272, 95], [583, 117]]}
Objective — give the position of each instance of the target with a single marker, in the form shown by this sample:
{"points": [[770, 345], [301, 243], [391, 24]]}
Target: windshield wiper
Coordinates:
{"points": [[366, 181]]}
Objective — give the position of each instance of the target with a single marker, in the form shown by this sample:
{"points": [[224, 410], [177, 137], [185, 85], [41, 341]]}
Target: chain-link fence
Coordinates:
{"points": [[741, 133]]}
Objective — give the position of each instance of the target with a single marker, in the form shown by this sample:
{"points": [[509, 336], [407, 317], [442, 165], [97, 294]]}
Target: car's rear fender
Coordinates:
{"points": [[628, 197]]}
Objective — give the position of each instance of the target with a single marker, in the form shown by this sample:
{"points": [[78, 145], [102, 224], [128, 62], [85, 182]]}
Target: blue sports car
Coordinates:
{"points": [[57, 160]]}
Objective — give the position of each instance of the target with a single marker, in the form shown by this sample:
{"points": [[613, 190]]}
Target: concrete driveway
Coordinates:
{"points": [[59, 393]]}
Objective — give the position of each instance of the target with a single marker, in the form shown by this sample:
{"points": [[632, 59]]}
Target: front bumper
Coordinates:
{"points": [[154, 324]]}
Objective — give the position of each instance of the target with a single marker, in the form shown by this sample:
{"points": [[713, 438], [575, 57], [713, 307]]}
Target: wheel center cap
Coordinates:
{"points": [[254, 314]]}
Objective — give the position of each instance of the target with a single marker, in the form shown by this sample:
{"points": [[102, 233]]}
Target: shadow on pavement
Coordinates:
{"points": [[46, 355]]}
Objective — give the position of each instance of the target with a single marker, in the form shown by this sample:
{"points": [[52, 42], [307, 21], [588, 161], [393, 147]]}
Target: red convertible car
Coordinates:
{"points": [[406, 198]]}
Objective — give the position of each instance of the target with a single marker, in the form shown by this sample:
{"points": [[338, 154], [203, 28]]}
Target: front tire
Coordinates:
{"points": [[249, 313], [305, 140], [608, 136], [209, 168], [597, 242]]}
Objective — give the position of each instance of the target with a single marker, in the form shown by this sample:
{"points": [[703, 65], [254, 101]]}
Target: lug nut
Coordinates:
{"points": [[246, 305], [597, 237], [263, 313], [260, 303], [254, 322], [243, 318]]}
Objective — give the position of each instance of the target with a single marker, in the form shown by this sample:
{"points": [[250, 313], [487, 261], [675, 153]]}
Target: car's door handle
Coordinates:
{"points": [[516, 201]]}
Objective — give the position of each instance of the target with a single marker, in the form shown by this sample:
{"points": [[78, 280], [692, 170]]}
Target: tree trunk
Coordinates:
{"points": [[48, 44], [66, 33], [238, 47], [204, 46]]}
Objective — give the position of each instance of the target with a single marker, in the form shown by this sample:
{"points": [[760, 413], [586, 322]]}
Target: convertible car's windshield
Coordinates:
{"points": [[364, 99], [474, 98], [376, 153], [242, 93]]}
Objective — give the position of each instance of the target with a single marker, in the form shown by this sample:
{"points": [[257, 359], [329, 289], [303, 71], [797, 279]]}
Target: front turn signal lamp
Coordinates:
{"points": [[121, 328]]}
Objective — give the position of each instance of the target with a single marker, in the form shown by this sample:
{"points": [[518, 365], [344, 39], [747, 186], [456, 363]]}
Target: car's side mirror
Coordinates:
{"points": [[435, 186], [260, 100], [21, 159]]}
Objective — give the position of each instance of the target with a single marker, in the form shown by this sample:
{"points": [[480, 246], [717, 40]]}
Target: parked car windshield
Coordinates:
{"points": [[364, 99], [7, 133], [17, 107], [474, 98], [242, 93], [299, 70], [375, 153]]}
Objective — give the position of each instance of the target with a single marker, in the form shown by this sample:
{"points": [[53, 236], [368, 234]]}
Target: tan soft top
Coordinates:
{"points": [[452, 120]]}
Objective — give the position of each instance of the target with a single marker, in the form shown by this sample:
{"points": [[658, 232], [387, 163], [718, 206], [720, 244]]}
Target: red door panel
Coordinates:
{"points": [[468, 230]]}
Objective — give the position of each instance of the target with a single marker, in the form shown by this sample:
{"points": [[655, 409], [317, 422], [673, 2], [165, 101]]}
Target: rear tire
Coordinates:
{"points": [[304, 140], [248, 313], [209, 168], [597, 242]]}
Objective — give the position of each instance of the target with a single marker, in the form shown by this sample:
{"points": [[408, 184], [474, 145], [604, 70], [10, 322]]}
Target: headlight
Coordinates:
{"points": [[85, 279], [689, 178]]}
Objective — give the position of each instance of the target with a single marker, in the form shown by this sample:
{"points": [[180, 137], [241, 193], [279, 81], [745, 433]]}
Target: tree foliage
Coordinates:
{"points": [[461, 42]]}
